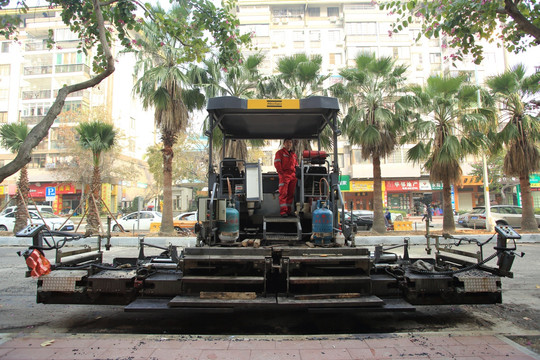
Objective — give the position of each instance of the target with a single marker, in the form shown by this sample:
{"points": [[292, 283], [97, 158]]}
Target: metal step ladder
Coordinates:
{"points": [[273, 230]]}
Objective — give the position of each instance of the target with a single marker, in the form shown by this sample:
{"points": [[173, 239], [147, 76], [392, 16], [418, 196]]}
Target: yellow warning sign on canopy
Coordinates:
{"points": [[273, 104]]}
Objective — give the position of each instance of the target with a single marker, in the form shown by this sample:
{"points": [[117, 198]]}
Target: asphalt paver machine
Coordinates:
{"points": [[247, 256]]}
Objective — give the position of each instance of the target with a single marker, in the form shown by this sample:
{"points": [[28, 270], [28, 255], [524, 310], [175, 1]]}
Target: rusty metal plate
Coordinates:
{"points": [[62, 280]]}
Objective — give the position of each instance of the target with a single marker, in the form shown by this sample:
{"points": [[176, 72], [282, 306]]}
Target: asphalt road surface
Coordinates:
{"points": [[518, 317]]}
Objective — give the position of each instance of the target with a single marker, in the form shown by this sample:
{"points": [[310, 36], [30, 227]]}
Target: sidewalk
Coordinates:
{"points": [[344, 347]]}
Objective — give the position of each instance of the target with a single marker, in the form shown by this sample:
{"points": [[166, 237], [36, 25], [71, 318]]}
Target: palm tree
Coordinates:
{"points": [[455, 128], [96, 136], [521, 132], [376, 104], [299, 77], [161, 87], [12, 136], [240, 80]]}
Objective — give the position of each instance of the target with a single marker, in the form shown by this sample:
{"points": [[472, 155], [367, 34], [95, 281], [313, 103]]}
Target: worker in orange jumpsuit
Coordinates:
{"points": [[286, 163]]}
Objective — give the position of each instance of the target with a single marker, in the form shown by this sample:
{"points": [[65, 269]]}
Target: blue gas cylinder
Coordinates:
{"points": [[322, 224], [229, 231]]}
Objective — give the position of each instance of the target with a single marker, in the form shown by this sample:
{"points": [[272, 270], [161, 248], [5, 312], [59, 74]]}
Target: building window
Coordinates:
{"points": [[4, 70], [395, 157], [3, 117], [332, 11], [361, 28], [435, 58], [4, 94], [314, 35], [357, 154], [298, 35], [65, 35], [38, 161], [5, 46], [333, 36], [314, 12], [335, 59]]}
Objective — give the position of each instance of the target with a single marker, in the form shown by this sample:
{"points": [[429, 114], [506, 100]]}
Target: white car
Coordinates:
{"points": [[133, 221], [7, 222], [41, 208]]}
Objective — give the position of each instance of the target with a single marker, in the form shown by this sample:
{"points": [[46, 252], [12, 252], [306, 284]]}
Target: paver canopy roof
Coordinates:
{"points": [[272, 119]]}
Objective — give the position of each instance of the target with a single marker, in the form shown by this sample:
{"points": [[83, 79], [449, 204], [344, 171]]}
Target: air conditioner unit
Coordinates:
{"points": [[333, 19], [284, 20], [275, 21]]}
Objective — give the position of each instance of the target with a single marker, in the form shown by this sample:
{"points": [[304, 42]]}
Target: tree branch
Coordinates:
{"points": [[40, 131], [521, 21]]}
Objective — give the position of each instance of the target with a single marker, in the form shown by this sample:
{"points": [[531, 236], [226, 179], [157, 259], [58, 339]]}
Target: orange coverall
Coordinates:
{"points": [[285, 163]]}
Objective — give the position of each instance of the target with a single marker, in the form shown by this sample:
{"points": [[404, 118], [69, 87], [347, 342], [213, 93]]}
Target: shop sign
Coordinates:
{"points": [[471, 180], [344, 182], [2, 191], [66, 189], [142, 185], [428, 185], [358, 186], [37, 191], [402, 185], [424, 185], [534, 179]]}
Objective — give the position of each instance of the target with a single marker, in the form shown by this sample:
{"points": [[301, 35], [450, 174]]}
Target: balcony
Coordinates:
{"points": [[80, 93], [35, 46], [71, 68], [37, 94], [38, 70], [32, 120]]}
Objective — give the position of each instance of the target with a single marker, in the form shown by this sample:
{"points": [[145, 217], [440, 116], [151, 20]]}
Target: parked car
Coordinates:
{"points": [[185, 221], [7, 222], [362, 218], [41, 208], [501, 214], [463, 219], [137, 221]]}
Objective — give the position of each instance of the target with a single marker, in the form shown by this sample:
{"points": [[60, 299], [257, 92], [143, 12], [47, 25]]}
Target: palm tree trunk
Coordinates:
{"points": [[94, 202], [378, 215], [528, 221], [167, 226], [449, 225], [21, 216]]}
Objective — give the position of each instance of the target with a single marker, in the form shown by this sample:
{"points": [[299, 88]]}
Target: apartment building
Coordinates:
{"points": [[339, 30], [31, 75]]}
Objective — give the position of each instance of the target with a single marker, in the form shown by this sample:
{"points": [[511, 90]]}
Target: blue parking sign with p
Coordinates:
{"points": [[50, 193]]}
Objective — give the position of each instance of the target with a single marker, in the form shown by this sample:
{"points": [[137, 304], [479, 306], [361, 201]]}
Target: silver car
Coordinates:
{"points": [[501, 214]]}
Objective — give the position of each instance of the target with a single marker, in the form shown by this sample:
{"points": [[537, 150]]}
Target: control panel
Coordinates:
{"points": [[507, 232], [30, 230]]}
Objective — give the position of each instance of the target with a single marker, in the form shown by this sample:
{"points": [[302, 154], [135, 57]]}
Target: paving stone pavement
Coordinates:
{"points": [[350, 347]]}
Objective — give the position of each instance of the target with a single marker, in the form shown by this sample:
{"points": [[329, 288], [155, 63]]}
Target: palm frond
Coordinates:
{"points": [[13, 135]]}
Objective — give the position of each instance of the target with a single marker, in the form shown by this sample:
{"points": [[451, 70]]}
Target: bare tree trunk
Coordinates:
{"points": [[21, 216], [528, 221], [449, 225], [167, 226], [94, 202], [378, 216]]}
